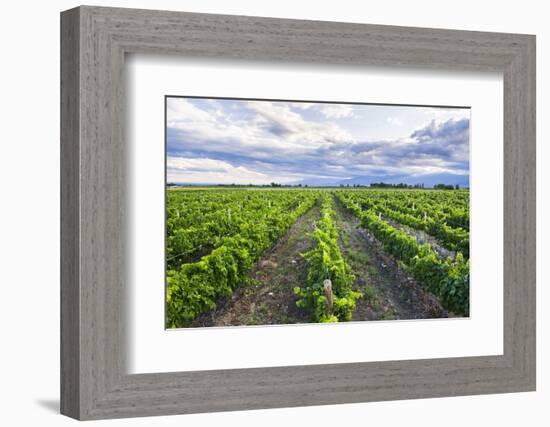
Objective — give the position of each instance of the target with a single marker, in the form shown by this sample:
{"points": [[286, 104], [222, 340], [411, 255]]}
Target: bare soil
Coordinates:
{"points": [[388, 291], [268, 295], [422, 237]]}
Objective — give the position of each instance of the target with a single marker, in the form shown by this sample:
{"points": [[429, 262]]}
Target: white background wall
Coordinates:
{"points": [[29, 213]]}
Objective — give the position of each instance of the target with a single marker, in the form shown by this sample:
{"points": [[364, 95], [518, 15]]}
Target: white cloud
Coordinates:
{"points": [[268, 128], [427, 170], [302, 105], [442, 114], [330, 111], [204, 170], [180, 110], [336, 111], [295, 130], [394, 121], [261, 142], [211, 171]]}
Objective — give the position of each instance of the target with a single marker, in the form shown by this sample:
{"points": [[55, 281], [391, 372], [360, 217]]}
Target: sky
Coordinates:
{"points": [[216, 141]]}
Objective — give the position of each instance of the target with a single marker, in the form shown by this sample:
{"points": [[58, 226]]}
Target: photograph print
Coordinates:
{"points": [[298, 212]]}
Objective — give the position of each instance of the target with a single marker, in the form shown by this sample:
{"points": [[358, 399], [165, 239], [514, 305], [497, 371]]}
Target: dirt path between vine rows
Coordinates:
{"points": [[421, 238], [389, 292], [268, 298]]}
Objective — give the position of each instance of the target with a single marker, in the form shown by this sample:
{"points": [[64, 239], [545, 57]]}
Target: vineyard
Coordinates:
{"points": [[245, 256]]}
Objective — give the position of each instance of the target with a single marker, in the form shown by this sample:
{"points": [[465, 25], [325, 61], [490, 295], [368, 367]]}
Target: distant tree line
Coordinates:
{"points": [[400, 185], [272, 184], [403, 185], [372, 185], [446, 187]]}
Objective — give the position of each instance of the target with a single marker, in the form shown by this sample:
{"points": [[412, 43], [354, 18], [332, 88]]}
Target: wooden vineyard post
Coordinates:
{"points": [[327, 285]]}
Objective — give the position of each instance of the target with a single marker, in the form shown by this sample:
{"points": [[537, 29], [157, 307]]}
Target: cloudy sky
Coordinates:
{"points": [[214, 141]]}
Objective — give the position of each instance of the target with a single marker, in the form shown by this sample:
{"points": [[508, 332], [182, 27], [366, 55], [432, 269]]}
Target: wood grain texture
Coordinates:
{"points": [[70, 220], [94, 232]]}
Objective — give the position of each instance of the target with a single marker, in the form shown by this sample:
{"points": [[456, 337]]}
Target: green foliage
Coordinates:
{"points": [[195, 287], [448, 279], [325, 261], [198, 221], [445, 218], [214, 237]]}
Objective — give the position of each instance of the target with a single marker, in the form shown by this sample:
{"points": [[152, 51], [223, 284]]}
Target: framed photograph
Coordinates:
{"points": [[261, 213], [274, 212]]}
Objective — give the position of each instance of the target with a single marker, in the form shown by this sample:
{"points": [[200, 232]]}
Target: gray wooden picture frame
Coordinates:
{"points": [[94, 41]]}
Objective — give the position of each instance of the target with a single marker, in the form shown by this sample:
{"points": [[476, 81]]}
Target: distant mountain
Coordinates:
{"points": [[442, 178], [319, 182], [427, 180]]}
